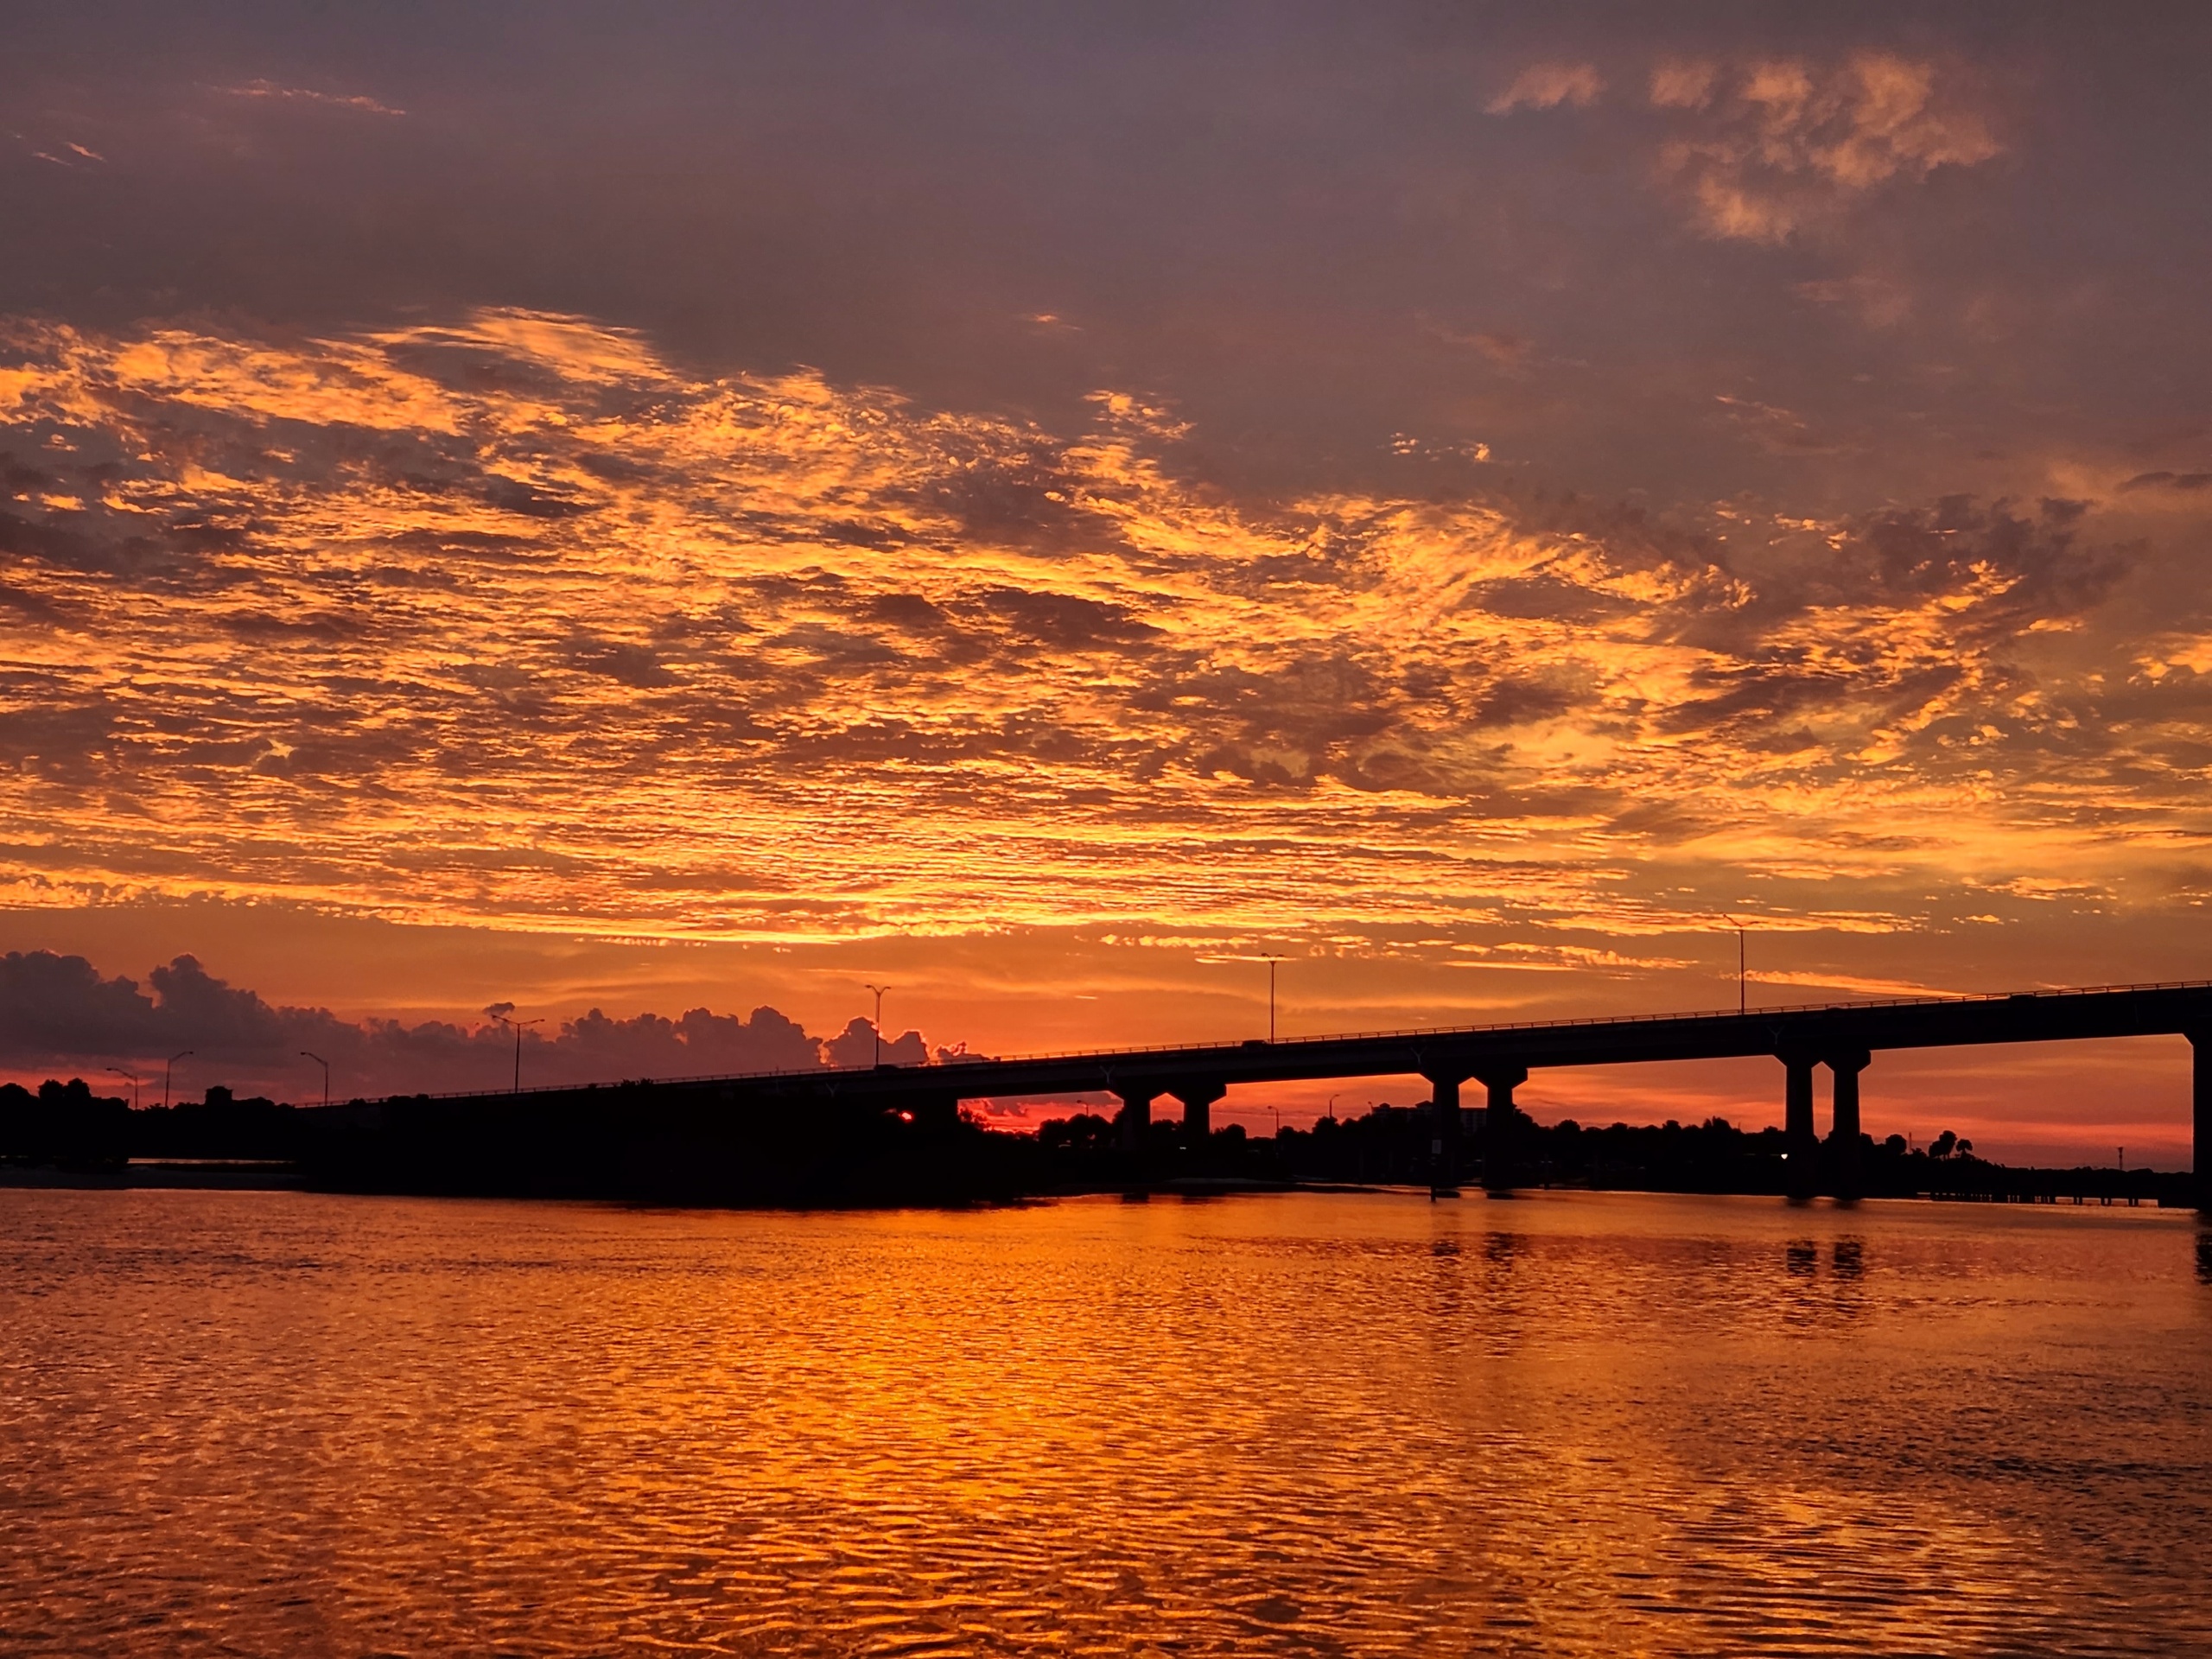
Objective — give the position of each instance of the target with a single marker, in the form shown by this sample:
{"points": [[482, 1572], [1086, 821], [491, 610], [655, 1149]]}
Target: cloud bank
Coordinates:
{"points": [[510, 621], [59, 1015]]}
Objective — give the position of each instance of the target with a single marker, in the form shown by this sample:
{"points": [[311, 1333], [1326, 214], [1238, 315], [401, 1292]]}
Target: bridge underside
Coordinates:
{"points": [[1843, 1037]]}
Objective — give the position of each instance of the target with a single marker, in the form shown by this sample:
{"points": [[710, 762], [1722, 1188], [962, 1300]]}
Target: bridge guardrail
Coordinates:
{"points": [[1296, 1043]]}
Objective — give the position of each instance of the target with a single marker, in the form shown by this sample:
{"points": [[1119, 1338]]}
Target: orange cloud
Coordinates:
{"points": [[1783, 146], [1547, 85], [505, 621]]}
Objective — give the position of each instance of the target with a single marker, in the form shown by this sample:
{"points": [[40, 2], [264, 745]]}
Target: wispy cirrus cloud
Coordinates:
{"points": [[275, 93], [1548, 86]]}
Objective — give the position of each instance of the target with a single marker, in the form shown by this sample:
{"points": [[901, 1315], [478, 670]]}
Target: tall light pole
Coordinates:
{"points": [[133, 1076], [166, 1066], [1743, 978], [325, 1065], [1271, 962], [519, 1024], [875, 1030]]}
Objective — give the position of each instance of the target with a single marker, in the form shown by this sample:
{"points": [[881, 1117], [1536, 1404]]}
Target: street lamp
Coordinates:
{"points": [[325, 1065], [1743, 979], [166, 1066], [875, 1055], [1271, 961], [133, 1076], [519, 1024]]}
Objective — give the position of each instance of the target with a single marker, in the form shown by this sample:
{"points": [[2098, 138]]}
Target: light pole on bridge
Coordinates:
{"points": [[508, 1019], [1271, 961], [168, 1066], [325, 1065], [875, 1030]]}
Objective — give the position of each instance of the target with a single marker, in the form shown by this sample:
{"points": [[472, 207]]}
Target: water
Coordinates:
{"points": [[284, 1424]]}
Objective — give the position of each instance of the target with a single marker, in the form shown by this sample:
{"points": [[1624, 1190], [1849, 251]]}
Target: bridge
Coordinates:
{"points": [[1844, 1037]]}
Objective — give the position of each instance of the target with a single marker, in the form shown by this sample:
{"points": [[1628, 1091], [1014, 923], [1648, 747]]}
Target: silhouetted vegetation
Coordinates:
{"points": [[64, 1126], [652, 1143]]}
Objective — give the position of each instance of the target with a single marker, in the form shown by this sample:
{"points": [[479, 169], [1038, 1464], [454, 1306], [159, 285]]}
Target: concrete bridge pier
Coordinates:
{"points": [[1800, 1140], [1197, 1100], [1136, 1115], [1501, 1124], [1844, 1065], [1444, 1135], [2201, 1115]]}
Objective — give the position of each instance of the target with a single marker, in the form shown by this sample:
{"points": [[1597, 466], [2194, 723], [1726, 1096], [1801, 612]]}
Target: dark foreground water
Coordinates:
{"points": [[280, 1424]]}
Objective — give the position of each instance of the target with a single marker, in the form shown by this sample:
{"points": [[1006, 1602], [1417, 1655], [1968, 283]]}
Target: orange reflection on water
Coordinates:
{"points": [[1578, 1424]]}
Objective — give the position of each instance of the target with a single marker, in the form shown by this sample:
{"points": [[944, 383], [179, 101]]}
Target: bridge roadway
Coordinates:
{"points": [[1843, 1037]]}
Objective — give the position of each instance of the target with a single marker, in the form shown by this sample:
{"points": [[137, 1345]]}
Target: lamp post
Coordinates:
{"points": [[133, 1076], [518, 1025], [325, 1065], [166, 1066], [1743, 978], [1271, 961], [875, 1030]]}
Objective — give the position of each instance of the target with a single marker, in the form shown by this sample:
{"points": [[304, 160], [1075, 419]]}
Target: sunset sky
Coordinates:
{"points": [[665, 507]]}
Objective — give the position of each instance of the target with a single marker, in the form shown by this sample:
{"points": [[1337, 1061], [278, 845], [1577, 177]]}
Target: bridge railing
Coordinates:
{"points": [[1293, 1045]]}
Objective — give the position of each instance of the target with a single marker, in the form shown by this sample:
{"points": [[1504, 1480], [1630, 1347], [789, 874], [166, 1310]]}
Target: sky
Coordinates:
{"points": [[592, 514]]}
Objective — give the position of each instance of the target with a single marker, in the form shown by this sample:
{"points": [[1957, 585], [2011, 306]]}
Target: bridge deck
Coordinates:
{"points": [[1458, 1052]]}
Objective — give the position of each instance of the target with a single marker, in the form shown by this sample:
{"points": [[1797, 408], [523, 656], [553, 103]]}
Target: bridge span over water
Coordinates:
{"points": [[1844, 1037]]}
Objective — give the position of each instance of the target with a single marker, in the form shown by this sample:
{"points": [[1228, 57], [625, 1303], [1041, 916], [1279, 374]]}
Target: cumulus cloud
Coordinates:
{"points": [[1547, 85], [59, 1014], [1763, 150]]}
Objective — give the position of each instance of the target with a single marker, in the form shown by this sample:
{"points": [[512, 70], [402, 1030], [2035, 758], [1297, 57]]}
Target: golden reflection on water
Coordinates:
{"points": [[284, 1424]]}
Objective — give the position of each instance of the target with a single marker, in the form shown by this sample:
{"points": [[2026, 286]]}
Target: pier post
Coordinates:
{"points": [[1136, 1115], [1197, 1100], [1500, 1123], [1800, 1140], [1846, 1065], [1444, 1107]]}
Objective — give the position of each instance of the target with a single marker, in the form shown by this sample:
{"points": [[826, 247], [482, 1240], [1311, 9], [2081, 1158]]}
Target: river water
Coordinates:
{"points": [[286, 1424]]}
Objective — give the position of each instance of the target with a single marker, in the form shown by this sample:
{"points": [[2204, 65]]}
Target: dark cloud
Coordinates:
{"points": [[2168, 480], [59, 1014], [1265, 217]]}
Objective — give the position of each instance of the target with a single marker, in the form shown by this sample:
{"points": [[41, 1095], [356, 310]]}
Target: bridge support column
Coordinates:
{"points": [[1443, 1136], [1136, 1115], [2200, 1161], [1501, 1129], [1843, 1132], [1197, 1100], [1799, 1138]]}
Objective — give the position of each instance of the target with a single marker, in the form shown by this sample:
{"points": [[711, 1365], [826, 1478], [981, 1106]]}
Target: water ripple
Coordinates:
{"points": [[285, 1424]]}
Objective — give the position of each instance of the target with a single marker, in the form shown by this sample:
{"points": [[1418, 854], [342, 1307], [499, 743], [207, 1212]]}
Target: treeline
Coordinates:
{"points": [[1393, 1145], [636, 1141], [66, 1125], [714, 1146]]}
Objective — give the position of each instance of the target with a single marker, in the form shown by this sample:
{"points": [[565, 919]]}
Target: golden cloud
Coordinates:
{"points": [[508, 622]]}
